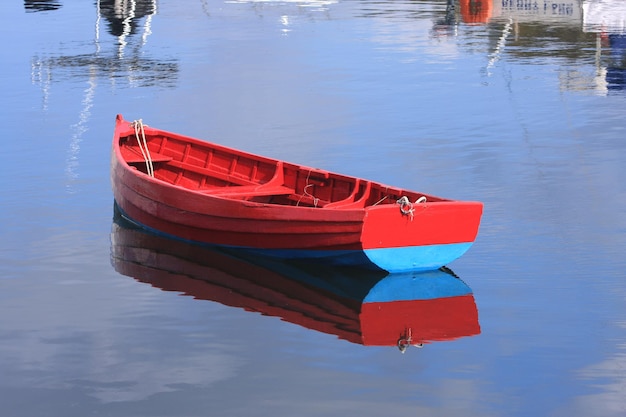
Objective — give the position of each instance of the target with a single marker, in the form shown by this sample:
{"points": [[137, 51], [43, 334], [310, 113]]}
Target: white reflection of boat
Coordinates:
{"points": [[561, 12], [607, 18], [604, 16], [314, 4]]}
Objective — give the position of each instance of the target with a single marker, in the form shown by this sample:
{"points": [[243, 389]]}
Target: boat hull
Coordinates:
{"points": [[390, 236]]}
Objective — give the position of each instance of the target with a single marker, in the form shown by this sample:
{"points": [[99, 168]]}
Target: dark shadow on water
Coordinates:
{"points": [[41, 5], [123, 60], [366, 307], [124, 17]]}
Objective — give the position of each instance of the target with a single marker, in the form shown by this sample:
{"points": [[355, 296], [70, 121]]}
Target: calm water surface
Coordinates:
{"points": [[519, 105]]}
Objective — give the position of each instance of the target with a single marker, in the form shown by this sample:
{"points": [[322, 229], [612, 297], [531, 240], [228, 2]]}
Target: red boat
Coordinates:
{"points": [[366, 307], [204, 192]]}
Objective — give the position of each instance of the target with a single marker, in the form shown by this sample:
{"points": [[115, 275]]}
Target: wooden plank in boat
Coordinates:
{"points": [[249, 191], [132, 155]]}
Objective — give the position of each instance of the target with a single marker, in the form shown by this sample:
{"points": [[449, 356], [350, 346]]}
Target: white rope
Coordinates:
{"points": [[381, 200], [315, 199], [306, 193], [406, 207], [406, 340], [495, 56], [143, 146]]}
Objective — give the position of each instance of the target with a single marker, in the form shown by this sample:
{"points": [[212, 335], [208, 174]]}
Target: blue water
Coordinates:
{"points": [[523, 109]]}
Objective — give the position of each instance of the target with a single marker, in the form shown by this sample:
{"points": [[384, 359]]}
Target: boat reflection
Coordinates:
{"points": [[123, 19], [121, 63], [365, 307], [41, 5], [607, 19], [537, 25]]}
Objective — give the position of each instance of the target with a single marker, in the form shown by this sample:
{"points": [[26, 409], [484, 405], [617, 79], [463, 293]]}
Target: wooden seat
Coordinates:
{"points": [[356, 199], [240, 191], [133, 155]]}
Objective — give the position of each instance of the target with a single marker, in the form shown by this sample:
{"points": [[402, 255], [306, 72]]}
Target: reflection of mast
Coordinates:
{"points": [[599, 80], [126, 25], [97, 34], [40, 74], [147, 31], [81, 126], [495, 55]]}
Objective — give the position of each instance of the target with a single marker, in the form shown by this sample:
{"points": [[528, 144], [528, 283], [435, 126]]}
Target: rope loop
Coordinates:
{"points": [[405, 340], [143, 145], [305, 192], [406, 207]]}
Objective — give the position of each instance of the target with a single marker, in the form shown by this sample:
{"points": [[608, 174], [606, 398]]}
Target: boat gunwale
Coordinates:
{"points": [[220, 193]]}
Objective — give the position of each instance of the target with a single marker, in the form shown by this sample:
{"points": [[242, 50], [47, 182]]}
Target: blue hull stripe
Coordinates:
{"points": [[416, 258]]}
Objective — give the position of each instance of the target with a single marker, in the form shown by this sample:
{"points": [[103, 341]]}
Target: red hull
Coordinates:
{"points": [[209, 193]]}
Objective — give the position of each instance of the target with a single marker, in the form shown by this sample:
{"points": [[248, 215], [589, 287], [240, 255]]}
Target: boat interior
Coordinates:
{"points": [[212, 169]]}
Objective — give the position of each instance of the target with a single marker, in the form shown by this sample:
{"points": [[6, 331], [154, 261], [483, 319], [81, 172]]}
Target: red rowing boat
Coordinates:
{"points": [[203, 192]]}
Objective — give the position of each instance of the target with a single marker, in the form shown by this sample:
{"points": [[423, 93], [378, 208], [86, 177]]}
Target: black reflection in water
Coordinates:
{"points": [[138, 70], [572, 31], [444, 24], [364, 307], [123, 17], [616, 70], [130, 24], [41, 5]]}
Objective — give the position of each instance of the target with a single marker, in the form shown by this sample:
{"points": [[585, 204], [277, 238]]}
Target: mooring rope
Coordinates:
{"points": [[406, 207], [306, 193], [406, 340], [143, 146], [381, 200]]}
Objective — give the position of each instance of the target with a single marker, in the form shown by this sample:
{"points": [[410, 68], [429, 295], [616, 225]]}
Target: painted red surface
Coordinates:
{"points": [[424, 321], [476, 11]]}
